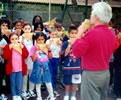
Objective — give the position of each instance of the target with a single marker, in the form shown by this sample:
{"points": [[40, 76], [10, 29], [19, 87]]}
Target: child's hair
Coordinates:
{"points": [[76, 24], [26, 24], [33, 22], [5, 20], [17, 21], [20, 19], [72, 28], [11, 34], [37, 35], [52, 29], [36, 25]]}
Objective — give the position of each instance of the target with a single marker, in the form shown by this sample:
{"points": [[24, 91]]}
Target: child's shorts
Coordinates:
{"points": [[72, 79]]}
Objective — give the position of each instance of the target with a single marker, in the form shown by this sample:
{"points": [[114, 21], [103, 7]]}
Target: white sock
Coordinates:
{"points": [[50, 89], [38, 90]]}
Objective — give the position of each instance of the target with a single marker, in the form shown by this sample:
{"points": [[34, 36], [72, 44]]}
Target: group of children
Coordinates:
{"points": [[31, 55]]}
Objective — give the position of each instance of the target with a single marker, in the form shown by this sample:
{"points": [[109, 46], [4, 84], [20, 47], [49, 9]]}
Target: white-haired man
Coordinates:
{"points": [[95, 49]]}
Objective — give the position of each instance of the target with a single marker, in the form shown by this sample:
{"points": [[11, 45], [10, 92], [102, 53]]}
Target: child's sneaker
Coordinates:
{"points": [[4, 97], [18, 98], [25, 96], [31, 93], [50, 98], [39, 98], [56, 94], [66, 97], [14, 97], [73, 98]]}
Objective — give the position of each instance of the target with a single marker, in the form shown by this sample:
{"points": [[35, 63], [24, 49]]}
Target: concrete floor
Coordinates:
{"points": [[61, 91]]}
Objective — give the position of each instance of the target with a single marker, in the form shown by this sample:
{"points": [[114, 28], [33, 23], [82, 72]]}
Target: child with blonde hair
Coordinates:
{"points": [[26, 39]]}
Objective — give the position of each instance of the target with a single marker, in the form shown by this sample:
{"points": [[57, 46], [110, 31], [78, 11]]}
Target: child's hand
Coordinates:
{"points": [[71, 41], [36, 48], [119, 36], [48, 46], [23, 36], [11, 46], [18, 31], [59, 42], [0, 51], [21, 46], [51, 41]]}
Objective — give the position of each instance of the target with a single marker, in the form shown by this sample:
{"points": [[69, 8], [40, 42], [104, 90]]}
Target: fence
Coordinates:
{"points": [[28, 16]]}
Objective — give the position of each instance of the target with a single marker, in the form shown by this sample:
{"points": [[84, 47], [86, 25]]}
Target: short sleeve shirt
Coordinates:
{"points": [[41, 57]]}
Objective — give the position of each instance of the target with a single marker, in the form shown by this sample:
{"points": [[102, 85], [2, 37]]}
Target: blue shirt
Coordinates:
{"points": [[72, 64]]}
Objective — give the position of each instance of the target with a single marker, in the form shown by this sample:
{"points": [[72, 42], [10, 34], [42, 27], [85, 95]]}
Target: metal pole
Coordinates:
{"points": [[64, 10], [86, 8], [49, 10]]}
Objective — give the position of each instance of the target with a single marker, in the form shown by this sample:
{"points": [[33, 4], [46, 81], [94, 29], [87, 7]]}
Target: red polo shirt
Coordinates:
{"points": [[95, 48]]}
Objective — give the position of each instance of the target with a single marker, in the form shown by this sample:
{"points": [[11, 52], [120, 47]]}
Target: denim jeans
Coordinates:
{"points": [[16, 79], [54, 63]]}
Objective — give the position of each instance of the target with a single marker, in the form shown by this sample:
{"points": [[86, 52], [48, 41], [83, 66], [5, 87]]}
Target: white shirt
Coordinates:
{"points": [[55, 49]]}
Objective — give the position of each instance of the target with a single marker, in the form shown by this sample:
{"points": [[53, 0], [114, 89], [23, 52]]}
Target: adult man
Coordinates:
{"points": [[95, 49]]}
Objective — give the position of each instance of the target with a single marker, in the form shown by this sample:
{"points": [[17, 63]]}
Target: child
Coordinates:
{"points": [[55, 46], [15, 53], [38, 27], [26, 38], [4, 28], [71, 69], [17, 27], [39, 54], [3, 42], [4, 25]]}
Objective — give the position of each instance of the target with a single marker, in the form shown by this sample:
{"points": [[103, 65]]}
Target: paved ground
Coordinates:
{"points": [[61, 91]]}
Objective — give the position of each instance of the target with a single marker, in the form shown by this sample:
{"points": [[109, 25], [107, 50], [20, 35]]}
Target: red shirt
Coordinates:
{"points": [[95, 48]]}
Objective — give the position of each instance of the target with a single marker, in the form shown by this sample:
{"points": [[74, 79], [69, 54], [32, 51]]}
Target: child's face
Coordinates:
{"points": [[40, 40], [59, 28], [73, 34], [14, 39], [53, 34], [39, 28], [18, 25], [37, 19], [27, 29], [4, 26]]}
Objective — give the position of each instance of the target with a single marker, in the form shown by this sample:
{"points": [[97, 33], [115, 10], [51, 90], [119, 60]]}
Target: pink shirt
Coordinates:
{"points": [[16, 61], [95, 48]]}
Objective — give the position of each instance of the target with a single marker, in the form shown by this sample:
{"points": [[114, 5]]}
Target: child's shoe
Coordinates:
{"points": [[39, 98], [18, 98], [31, 93], [50, 98], [56, 94], [66, 97], [73, 98], [25, 96], [3, 97], [14, 98]]}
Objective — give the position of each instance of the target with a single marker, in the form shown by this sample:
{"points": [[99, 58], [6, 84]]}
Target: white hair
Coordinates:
{"points": [[103, 11]]}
